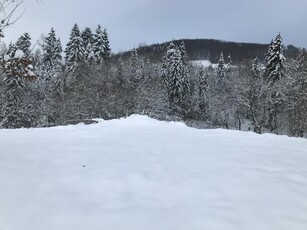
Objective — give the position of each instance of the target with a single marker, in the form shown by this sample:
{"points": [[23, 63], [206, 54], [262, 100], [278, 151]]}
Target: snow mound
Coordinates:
{"points": [[140, 173]]}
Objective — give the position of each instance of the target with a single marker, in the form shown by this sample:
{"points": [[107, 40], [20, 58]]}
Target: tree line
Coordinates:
{"points": [[41, 88]]}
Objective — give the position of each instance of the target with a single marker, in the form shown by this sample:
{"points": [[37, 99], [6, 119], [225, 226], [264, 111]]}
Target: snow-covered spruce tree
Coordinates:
{"points": [[57, 67], [48, 48], [58, 52], [256, 69], [134, 68], [98, 45], [273, 75], [18, 71], [107, 49], [75, 53], [297, 96], [23, 43], [185, 71], [52, 56], [49, 69], [101, 45], [175, 76], [87, 37], [167, 62], [11, 50], [275, 61], [221, 70]]}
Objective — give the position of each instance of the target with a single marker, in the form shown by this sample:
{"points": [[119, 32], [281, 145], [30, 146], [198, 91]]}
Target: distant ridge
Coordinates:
{"points": [[208, 49]]}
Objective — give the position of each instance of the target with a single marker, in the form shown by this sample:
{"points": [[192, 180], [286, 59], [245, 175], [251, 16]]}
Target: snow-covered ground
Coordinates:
{"points": [[139, 173], [204, 63]]}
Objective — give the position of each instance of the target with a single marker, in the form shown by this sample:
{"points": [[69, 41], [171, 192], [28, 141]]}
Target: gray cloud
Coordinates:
{"points": [[130, 22]]}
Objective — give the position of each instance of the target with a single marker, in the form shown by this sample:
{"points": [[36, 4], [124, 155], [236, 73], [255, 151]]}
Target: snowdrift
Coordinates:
{"points": [[139, 173]]}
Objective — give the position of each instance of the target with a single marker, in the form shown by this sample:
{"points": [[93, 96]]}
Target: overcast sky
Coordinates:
{"points": [[132, 22]]}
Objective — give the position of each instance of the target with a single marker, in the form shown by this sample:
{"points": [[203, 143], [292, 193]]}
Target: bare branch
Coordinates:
{"points": [[8, 9]]}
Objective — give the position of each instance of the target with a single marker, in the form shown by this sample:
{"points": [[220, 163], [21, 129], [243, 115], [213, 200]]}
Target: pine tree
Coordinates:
{"points": [[99, 45], [134, 56], [74, 51], [174, 74], [167, 62], [49, 73], [185, 72], [11, 50], [87, 37], [175, 86], [52, 52], [273, 74], [48, 48], [58, 52], [256, 69], [18, 71], [275, 61], [134, 68], [221, 70], [107, 49], [23, 43]]}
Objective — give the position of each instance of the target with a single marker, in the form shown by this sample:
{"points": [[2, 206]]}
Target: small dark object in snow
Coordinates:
{"points": [[83, 166]]}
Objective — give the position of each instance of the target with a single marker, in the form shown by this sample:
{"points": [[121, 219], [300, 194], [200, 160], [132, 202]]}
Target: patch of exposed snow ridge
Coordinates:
{"points": [[139, 173]]}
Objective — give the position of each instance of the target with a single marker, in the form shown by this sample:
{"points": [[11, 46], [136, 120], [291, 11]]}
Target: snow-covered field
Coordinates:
{"points": [[204, 63], [139, 173]]}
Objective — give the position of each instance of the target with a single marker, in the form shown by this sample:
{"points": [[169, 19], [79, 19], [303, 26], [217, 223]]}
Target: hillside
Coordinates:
{"points": [[210, 49], [207, 49], [140, 173]]}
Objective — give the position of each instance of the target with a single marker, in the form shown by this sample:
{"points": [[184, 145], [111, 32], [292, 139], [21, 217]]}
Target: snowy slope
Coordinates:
{"points": [[140, 174], [204, 63]]}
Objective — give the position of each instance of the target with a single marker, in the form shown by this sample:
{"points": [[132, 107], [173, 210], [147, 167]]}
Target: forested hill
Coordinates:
{"points": [[209, 49]]}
